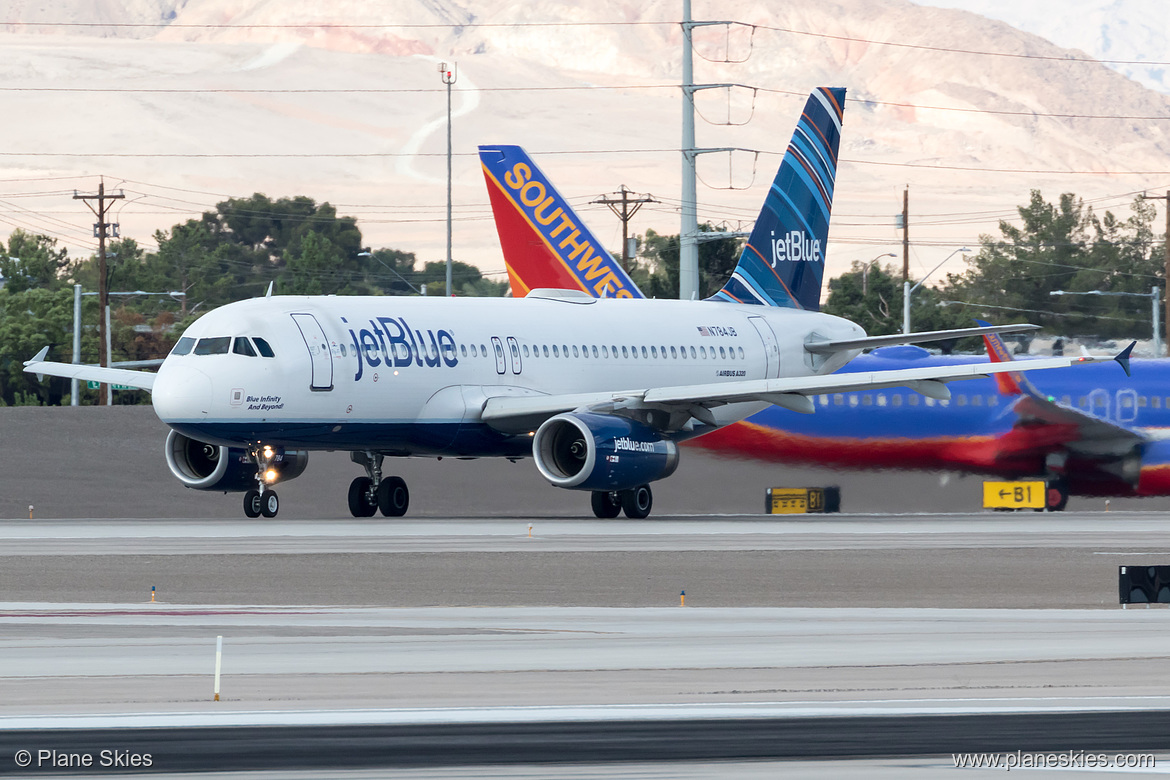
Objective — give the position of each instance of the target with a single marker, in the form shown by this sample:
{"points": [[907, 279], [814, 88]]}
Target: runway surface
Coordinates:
{"points": [[108, 462]]}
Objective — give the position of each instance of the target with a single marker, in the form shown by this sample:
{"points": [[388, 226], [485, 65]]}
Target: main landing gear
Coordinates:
{"points": [[636, 502], [373, 492], [262, 500]]}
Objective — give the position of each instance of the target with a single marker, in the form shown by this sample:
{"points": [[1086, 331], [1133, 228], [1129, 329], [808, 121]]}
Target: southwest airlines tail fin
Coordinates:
{"points": [[784, 260], [545, 243], [1011, 383]]}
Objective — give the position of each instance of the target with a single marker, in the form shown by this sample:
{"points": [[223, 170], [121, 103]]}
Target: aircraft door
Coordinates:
{"points": [[514, 348], [1099, 403], [501, 361], [1126, 405], [318, 344], [771, 347]]}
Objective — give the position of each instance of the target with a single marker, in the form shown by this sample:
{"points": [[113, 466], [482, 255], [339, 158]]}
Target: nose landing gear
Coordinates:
{"points": [[263, 500], [373, 492]]}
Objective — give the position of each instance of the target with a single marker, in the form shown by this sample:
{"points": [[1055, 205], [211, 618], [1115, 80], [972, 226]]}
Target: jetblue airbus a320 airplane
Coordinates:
{"points": [[598, 391]]}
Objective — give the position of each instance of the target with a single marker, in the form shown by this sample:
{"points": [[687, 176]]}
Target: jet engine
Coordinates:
{"points": [[205, 466], [601, 452]]}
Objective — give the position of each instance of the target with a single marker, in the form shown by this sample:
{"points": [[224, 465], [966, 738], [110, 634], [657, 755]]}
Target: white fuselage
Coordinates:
{"points": [[411, 375]]}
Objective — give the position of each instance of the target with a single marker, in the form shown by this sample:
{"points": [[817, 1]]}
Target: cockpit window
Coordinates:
{"points": [[242, 346], [215, 346], [183, 347], [262, 345]]}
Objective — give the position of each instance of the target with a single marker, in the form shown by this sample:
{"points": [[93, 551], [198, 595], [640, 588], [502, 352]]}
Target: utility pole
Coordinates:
{"points": [[905, 235], [625, 215], [1166, 198], [449, 76], [100, 229], [688, 247]]}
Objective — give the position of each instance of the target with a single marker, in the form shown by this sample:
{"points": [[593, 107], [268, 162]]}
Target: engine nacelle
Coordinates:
{"points": [[601, 452], [205, 466]]}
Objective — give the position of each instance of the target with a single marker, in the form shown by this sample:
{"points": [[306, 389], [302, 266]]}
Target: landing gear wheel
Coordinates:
{"points": [[362, 501], [636, 503], [606, 503], [269, 504], [393, 497], [252, 503], [1057, 497]]}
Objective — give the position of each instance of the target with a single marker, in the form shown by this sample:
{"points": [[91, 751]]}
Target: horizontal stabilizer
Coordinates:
{"points": [[872, 342], [143, 380]]}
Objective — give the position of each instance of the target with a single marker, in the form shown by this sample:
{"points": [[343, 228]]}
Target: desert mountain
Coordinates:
{"points": [[342, 101]]}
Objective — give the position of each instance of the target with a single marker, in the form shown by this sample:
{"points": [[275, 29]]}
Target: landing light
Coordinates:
{"points": [[268, 452], [270, 476]]}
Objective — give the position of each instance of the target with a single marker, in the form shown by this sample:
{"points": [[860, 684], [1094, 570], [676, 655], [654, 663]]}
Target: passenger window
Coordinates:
{"points": [[483, 350], [852, 399], [867, 400], [741, 353], [703, 352], [625, 352], [838, 399], [993, 400], [183, 346], [565, 349], [961, 400], [692, 353], [576, 352], [881, 399], [1067, 401], [722, 353], [673, 352], [913, 400], [604, 351], [1157, 401], [896, 400], [1142, 402], [474, 351], [215, 346], [556, 351], [243, 347], [525, 350], [262, 347], [654, 352], [977, 400], [594, 351], [463, 349]]}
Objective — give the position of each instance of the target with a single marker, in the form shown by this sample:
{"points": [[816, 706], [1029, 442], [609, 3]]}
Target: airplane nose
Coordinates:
{"points": [[181, 393]]}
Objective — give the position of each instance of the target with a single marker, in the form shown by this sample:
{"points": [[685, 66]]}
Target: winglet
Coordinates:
{"points": [[1122, 358], [40, 356], [268, 294]]}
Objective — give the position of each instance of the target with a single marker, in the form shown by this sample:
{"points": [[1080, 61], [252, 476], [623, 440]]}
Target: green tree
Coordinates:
{"points": [[657, 271], [1065, 246], [32, 261], [29, 320]]}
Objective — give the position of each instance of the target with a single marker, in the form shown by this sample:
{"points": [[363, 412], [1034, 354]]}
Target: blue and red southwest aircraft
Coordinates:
{"points": [[1087, 431]]}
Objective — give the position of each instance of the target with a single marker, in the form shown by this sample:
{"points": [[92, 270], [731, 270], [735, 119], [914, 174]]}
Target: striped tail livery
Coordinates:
{"points": [[784, 260]]}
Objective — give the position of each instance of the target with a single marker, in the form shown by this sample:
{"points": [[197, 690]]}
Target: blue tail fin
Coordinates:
{"points": [[784, 260]]}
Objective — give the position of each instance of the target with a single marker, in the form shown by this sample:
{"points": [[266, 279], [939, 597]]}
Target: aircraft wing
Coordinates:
{"points": [[516, 414], [143, 380], [872, 342]]}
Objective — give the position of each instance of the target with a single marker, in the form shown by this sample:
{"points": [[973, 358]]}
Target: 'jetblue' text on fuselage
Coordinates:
{"points": [[391, 342]]}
